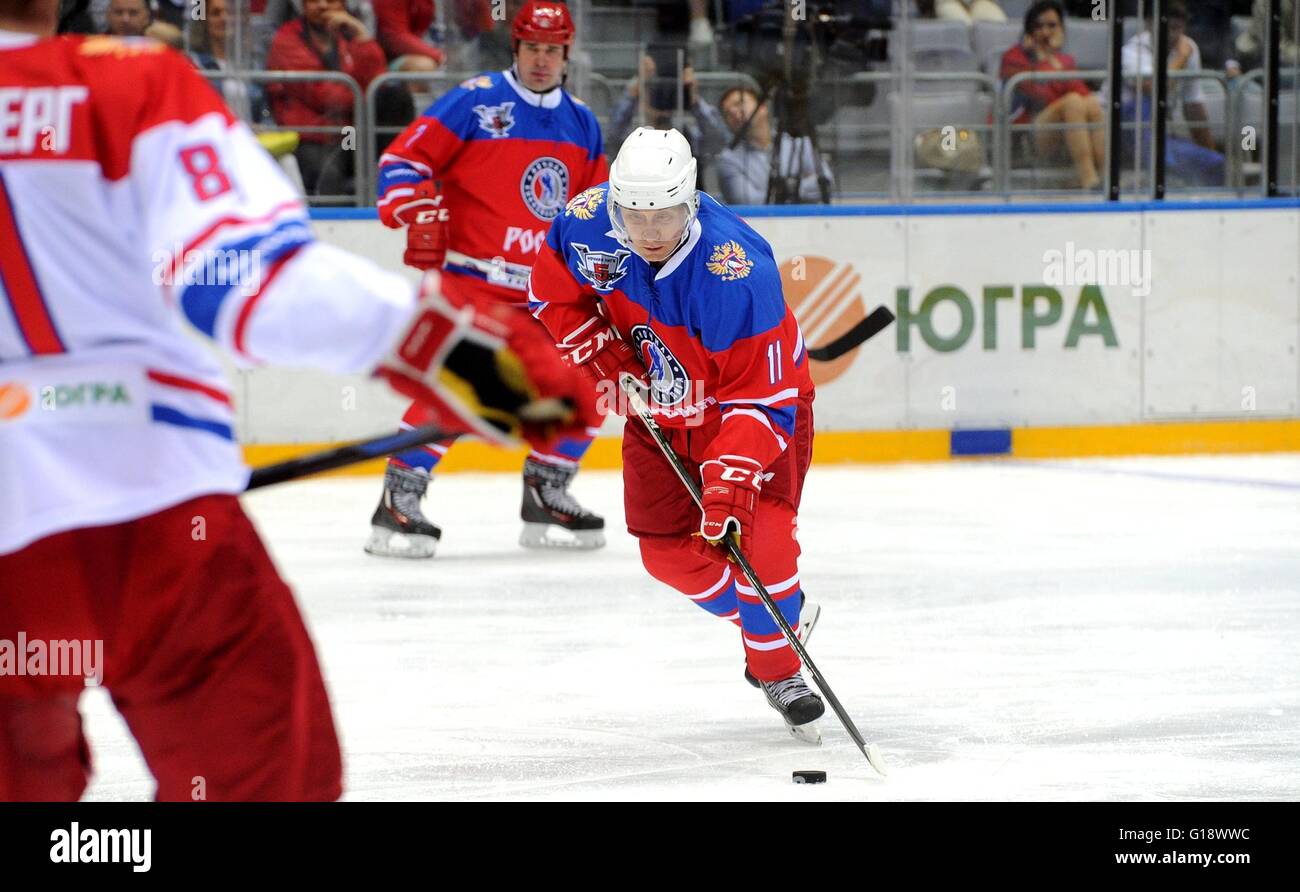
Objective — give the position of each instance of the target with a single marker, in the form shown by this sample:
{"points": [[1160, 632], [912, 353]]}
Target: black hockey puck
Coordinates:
{"points": [[809, 777]]}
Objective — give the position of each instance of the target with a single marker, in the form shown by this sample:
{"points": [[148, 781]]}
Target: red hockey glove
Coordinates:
{"points": [[597, 351], [483, 368], [729, 500], [427, 223]]}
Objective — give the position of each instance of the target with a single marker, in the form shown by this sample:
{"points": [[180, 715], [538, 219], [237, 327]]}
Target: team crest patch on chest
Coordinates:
{"points": [[496, 119], [669, 383], [545, 187], [601, 268], [584, 204], [729, 262]]}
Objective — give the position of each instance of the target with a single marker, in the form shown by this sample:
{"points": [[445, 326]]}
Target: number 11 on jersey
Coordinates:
{"points": [[774, 361]]}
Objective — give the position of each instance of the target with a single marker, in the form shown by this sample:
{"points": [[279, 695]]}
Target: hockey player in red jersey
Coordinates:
{"points": [[132, 203], [644, 274], [476, 180]]}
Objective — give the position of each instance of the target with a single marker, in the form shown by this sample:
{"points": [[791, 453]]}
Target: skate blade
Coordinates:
{"points": [[549, 535], [807, 733], [387, 543]]}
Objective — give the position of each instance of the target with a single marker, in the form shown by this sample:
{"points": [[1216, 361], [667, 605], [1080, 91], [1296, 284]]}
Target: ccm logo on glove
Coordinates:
{"points": [[438, 215], [585, 352]]}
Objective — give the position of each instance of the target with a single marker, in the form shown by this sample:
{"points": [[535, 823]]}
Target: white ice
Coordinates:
{"points": [[1004, 630]]}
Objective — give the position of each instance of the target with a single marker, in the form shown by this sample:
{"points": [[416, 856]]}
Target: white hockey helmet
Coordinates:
{"points": [[654, 170]]}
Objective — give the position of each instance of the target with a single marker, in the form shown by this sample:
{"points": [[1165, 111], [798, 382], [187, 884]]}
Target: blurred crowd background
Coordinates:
{"points": [[785, 101]]}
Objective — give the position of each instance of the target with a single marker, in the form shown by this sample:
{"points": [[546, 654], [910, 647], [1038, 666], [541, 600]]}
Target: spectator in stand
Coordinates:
{"points": [[656, 105], [474, 17], [77, 21], [1197, 161], [744, 171], [134, 18], [325, 38], [484, 41], [208, 50], [701, 33], [1048, 104], [173, 12], [969, 11], [402, 25], [1250, 43], [1209, 23]]}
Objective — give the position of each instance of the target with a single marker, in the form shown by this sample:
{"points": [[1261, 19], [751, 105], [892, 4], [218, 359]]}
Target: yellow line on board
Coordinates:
{"points": [[1160, 438], [845, 447], [851, 447]]}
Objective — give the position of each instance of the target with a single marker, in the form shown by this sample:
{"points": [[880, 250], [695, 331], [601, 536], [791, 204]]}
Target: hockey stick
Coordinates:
{"points": [[341, 456], [869, 750], [875, 322]]}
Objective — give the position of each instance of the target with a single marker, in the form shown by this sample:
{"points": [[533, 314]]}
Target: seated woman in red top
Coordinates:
{"points": [[325, 38], [1055, 102]]}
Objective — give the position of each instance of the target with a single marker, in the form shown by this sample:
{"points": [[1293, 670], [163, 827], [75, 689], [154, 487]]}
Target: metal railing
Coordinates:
{"points": [[1002, 115], [367, 131], [1006, 103], [361, 133], [374, 131]]}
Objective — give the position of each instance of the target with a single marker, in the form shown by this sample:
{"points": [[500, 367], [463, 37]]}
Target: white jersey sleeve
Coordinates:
{"points": [[231, 243], [134, 205]]}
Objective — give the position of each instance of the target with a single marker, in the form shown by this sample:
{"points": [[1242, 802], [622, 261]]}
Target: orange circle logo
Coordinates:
{"points": [[14, 401], [825, 298]]}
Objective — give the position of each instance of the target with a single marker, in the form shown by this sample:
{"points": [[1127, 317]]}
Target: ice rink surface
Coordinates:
{"points": [[1004, 630]]}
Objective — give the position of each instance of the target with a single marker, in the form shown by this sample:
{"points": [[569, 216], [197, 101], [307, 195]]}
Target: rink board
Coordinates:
{"points": [[1029, 330]]}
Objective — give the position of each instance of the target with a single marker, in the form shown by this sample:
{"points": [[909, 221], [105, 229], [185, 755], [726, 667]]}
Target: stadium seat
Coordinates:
{"points": [[947, 61], [861, 121], [930, 33], [619, 25], [1087, 41], [1015, 9], [990, 40]]}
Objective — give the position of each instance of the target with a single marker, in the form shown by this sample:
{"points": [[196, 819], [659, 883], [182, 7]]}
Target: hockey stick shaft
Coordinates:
{"points": [[688, 480], [342, 456], [875, 322]]}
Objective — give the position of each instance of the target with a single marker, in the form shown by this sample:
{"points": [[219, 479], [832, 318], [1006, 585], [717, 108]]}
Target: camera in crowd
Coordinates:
{"points": [[791, 44]]}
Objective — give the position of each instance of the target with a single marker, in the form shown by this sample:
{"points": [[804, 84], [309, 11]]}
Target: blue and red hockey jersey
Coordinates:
{"points": [[711, 325], [508, 160]]}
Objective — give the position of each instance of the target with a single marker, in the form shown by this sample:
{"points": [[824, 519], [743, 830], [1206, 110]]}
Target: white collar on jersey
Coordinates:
{"points": [[13, 39], [549, 99], [682, 253]]}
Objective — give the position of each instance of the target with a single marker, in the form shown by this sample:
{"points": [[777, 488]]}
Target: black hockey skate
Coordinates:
{"points": [[553, 518], [398, 527], [809, 613], [798, 705]]}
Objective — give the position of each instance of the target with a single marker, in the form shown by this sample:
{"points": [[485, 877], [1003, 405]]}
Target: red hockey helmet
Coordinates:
{"points": [[543, 21]]}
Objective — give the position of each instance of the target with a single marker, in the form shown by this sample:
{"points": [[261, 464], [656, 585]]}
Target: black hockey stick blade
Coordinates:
{"points": [[347, 454], [874, 323]]}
